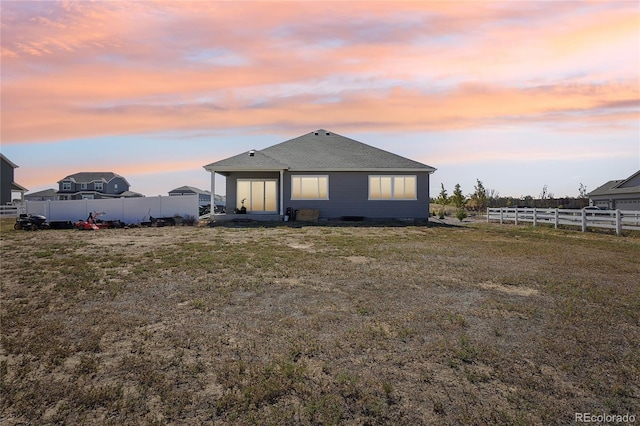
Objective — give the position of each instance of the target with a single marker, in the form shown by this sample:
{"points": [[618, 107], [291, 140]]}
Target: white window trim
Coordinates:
{"points": [[66, 186], [98, 186], [309, 176], [415, 190]]}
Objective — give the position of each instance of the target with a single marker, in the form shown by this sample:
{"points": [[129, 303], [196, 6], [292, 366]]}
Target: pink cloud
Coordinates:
{"points": [[77, 70]]}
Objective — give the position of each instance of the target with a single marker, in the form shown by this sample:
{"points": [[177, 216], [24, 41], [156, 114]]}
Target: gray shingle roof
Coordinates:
{"points": [[320, 150], [44, 193], [86, 177], [187, 188], [621, 186]]}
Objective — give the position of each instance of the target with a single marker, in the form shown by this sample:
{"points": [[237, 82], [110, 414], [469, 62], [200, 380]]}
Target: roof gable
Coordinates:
{"points": [[320, 150], [631, 181]]}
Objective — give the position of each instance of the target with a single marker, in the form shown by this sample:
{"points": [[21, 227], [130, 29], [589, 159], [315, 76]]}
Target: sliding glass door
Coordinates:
{"points": [[258, 195]]}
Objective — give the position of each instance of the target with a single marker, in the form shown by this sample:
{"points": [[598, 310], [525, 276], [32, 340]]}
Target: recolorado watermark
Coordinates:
{"points": [[604, 418]]}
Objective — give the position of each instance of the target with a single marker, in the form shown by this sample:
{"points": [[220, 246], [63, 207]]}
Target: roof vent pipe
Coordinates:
{"points": [[252, 153]]}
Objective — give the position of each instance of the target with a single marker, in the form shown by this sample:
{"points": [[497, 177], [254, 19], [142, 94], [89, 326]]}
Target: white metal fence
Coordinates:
{"points": [[128, 210], [584, 218]]}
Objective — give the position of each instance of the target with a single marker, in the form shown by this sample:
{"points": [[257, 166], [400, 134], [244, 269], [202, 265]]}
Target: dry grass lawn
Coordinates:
{"points": [[481, 324]]}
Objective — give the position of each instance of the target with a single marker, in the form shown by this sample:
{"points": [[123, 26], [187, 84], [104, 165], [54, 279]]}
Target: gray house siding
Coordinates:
{"points": [[116, 185], [6, 179], [348, 195]]}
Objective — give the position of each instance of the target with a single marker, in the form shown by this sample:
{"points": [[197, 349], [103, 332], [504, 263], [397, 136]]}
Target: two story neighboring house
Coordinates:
{"points": [[94, 185], [6, 182]]}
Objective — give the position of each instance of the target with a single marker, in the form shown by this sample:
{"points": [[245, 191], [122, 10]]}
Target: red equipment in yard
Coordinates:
{"points": [[92, 222]]}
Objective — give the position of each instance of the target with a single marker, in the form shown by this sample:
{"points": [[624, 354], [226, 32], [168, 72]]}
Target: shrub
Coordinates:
{"points": [[461, 214]]}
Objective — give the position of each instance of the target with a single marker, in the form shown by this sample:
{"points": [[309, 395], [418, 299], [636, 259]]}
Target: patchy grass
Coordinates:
{"points": [[484, 324]]}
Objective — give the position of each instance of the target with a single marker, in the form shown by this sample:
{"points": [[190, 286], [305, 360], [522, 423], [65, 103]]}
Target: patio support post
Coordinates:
{"points": [[282, 193], [212, 206]]}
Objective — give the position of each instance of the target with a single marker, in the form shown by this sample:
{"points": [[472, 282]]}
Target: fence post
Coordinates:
{"points": [[516, 216], [535, 217], [487, 214], [501, 215], [555, 219], [618, 222], [584, 220]]}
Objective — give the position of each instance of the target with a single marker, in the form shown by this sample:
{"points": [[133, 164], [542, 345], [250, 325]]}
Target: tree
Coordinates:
{"points": [[457, 198], [582, 191], [443, 198], [479, 197]]}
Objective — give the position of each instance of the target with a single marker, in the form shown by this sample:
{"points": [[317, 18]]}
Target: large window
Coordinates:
{"points": [[392, 187], [257, 195], [304, 187], [66, 186], [97, 186]]}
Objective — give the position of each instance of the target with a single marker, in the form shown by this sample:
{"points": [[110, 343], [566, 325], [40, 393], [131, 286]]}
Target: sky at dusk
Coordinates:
{"points": [[517, 94]]}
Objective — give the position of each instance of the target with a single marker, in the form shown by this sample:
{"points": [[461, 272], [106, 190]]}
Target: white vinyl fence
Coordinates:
{"points": [[10, 211], [128, 210], [612, 219]]}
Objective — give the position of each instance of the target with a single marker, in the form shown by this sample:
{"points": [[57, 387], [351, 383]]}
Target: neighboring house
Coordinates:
{"points": [[204, 197], [618, 194], [46, 195], [94, 185], [7, 184], [338, 176]]}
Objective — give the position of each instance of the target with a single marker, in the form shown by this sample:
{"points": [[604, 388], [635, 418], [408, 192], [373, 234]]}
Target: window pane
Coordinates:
{"points": [[374, 188], [295, 187], [323, 187], [309, 187], [270, 196], [244, 192], [410, 187], [257, 196], [398, 187], [385, 188]]}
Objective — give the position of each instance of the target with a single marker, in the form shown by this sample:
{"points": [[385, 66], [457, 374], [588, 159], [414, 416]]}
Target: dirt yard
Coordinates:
{"points": [[479, 324]]}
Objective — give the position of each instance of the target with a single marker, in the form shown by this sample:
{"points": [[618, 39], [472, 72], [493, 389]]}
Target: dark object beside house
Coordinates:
{"points": [[31, 222]]}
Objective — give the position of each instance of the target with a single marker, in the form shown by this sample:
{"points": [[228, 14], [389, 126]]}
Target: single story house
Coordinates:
{"points": [[618, 194], [94, 185], [44, 195], [7, 184], [336, 176], [204, 197]]}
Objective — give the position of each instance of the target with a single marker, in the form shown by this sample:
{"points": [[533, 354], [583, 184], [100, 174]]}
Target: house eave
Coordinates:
{"points": [[320, 169]]}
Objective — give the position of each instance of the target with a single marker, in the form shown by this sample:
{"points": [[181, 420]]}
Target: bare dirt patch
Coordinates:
{"points": [[484, 324]]}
